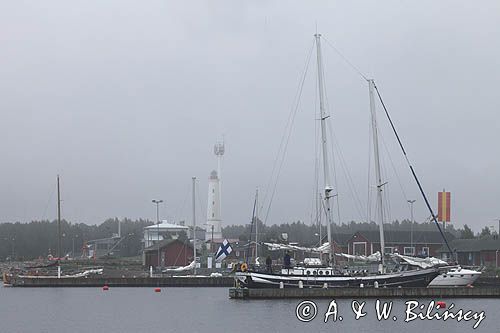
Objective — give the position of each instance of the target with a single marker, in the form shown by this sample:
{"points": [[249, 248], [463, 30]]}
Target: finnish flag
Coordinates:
{"points": [[223, 251]]}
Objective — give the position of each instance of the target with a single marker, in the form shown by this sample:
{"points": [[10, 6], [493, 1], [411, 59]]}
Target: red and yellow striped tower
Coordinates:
{"points": [[444, 207]]}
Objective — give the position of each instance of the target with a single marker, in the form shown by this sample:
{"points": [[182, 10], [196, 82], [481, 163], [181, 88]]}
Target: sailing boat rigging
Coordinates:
{"points": [[377, 173], [254, 223], [324, 147], [331, 276]]}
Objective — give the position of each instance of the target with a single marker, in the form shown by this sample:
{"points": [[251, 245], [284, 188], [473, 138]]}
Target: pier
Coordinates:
{"points": [[308, 293], [170, 281]]}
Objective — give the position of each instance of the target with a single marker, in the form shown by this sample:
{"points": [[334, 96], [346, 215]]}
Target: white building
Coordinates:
{"points": [[158, 232], [214, 229], [214, 219]]}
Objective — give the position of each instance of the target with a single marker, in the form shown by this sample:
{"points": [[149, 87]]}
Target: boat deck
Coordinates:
{"points": [[309, 293]]}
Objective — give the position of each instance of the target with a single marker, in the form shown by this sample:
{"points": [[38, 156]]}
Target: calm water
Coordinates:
{"points": [[203, 310]]}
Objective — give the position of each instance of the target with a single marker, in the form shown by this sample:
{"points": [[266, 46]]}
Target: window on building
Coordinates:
{"points": [[389, 249], [425, 251], [359, 248], [409, 250]]}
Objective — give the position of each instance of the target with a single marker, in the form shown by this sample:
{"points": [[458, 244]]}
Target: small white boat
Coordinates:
{"points": [[455, 277], [181, 269]]}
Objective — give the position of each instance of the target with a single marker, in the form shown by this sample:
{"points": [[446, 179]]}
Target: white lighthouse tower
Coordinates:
{"points": [[214, 220]]}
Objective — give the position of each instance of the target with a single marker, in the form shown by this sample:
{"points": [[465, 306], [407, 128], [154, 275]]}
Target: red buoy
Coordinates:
{"points": [[441, 305], [157, 290], [105, 287]]}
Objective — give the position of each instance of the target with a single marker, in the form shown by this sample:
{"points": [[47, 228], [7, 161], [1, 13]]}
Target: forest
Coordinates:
{"points": [[22, 241]]}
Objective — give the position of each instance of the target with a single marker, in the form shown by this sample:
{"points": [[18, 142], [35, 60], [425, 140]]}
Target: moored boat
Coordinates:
{"points": [[455, 277], [326, 277], [330, 275]]}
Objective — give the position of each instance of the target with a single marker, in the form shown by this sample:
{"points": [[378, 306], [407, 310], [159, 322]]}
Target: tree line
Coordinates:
{"points": [[308, 235], [21, 241]]}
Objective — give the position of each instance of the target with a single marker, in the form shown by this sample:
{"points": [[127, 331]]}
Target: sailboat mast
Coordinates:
{"points": [[194, 224], [59, 247], [256, 221], [318, 217], [326, 168], [378, 176]]}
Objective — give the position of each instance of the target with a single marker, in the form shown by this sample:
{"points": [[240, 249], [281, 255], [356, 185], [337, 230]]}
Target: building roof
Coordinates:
{"points": [[404, 236], [164, 225], [166, 242], [340, 239], [220, 240], [473, 245]]}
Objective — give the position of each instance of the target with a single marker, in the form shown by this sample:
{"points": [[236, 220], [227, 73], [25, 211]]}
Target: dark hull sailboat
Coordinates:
{"points": [[321, 277], [328, 276]]}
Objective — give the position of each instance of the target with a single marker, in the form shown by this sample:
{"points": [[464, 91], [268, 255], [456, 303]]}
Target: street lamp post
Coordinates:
{"points": [[12, 245], [158, 202], [73, 252], [194, 224], [411, 222], [64, 242]]}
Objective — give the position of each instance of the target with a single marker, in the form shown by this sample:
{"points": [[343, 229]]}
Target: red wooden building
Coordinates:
{"points": [[474, 252], [173, 252], [421, 243]]}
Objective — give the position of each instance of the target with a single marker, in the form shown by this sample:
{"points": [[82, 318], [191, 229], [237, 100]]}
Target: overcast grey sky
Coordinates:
{"points": [[125, 99]]}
